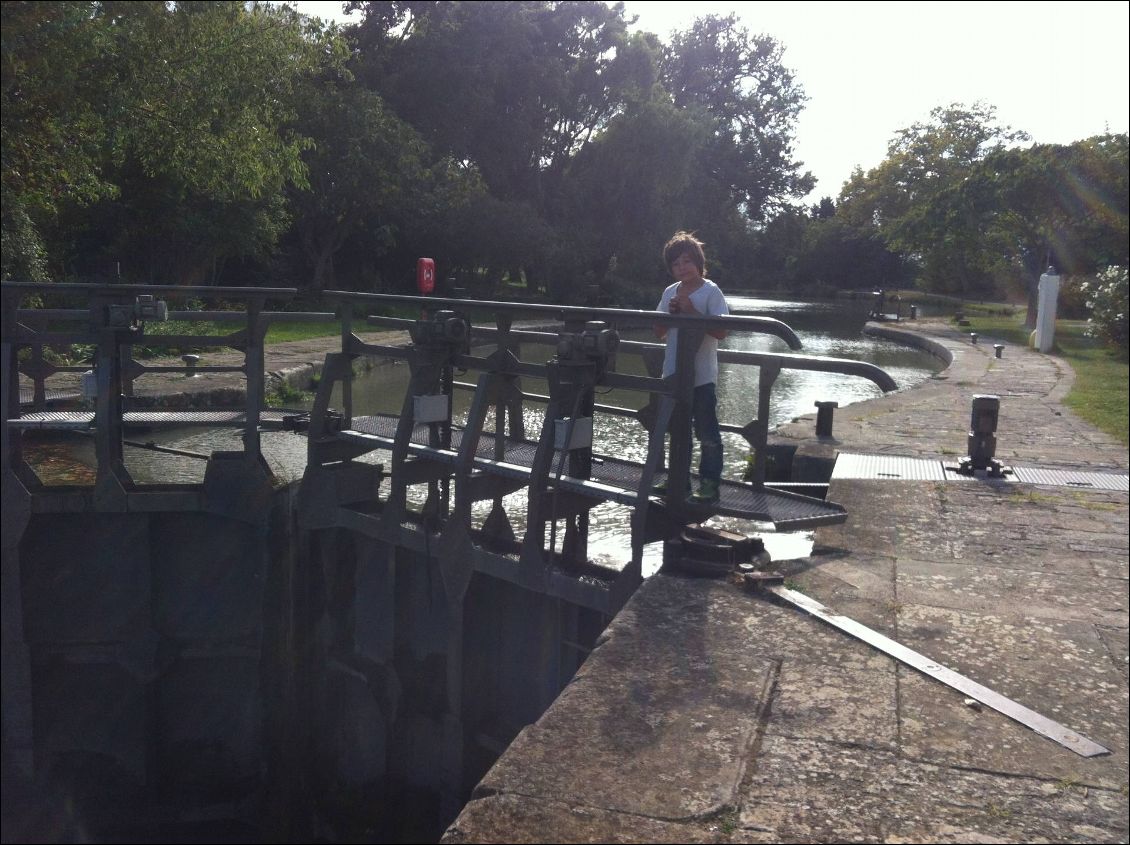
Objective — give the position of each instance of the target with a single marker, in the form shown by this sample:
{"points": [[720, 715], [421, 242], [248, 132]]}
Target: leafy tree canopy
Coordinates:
{"points": [[513, 87], [156, 106], [738, 85], [915, 196]]}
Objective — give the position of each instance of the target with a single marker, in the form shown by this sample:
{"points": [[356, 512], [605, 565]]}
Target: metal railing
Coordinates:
{"points": [[113, 322], [571, 379]]}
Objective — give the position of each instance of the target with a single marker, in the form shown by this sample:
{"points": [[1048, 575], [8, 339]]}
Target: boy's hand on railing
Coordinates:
{"points": [[681, 304]]}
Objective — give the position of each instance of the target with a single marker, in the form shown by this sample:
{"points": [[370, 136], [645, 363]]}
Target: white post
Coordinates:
{"points": [[1045, 312]]}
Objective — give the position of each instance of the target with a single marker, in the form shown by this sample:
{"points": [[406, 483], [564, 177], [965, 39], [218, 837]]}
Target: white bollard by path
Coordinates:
{"points": [[1045, 311]]}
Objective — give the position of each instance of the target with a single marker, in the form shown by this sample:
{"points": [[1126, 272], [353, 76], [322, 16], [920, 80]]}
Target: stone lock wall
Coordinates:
{"points": [[150, 639], [193, 672]]}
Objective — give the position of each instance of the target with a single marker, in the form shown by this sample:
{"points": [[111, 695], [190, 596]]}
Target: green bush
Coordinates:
{"points": [[1072, 303], [282, 394], [1107, 297]]}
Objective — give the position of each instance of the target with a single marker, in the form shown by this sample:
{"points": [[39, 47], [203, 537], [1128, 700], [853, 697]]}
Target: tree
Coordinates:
{"points": [[52, 131], [627, 191], [824, 210], [533, 138], [708, 148], [175, 119], [1065, 205], [514, 87], [779, 243], [363, 166], [512, 90], [610, 140], [738, 85], [916, 196], [208, 119], [838, 255]]}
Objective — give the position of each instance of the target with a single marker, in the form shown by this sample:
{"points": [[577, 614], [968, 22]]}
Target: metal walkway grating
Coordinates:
{"points": [[897, 468], [888, 466], [619, 480], [84, 420], [27, 396], [1073, 478]]}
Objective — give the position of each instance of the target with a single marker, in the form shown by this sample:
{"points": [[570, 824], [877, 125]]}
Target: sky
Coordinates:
{"points": [[1060, 71]]}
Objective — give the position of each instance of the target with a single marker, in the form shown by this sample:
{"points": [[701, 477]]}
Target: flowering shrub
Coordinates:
{"points": [[1072, 302], [1107, 296]]}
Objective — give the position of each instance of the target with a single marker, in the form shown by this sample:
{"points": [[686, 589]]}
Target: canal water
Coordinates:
{"points": [[831, 329]]}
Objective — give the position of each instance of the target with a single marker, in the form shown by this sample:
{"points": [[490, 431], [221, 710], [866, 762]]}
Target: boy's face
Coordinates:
{"points": [[684, 269]]}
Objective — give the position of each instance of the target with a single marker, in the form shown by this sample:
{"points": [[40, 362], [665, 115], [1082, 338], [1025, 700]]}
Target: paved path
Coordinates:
{"points": [[295, 360], [708, 714], [933, 419]]}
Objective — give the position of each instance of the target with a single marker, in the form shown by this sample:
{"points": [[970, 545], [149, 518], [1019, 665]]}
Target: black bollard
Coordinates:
{"points": [[190, 361], [824, 413]]}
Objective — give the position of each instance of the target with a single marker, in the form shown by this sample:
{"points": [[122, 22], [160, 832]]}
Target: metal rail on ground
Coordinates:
{"points": [[1042, 725]]}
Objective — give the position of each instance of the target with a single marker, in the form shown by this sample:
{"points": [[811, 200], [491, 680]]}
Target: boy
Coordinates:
{"points": [[694, 295]]}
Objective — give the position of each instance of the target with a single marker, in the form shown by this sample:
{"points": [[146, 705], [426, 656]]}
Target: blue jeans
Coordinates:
{"points": [[704, 415]]}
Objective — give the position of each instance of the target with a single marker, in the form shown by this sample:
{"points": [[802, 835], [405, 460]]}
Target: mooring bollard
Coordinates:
{"points": [[973, 338], [190, 361], [998, 348], [89, 383], [982, 440], [824, 413]]}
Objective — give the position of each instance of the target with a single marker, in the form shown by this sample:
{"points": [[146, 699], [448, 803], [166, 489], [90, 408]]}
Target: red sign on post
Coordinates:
{"points": [[426, 275]]}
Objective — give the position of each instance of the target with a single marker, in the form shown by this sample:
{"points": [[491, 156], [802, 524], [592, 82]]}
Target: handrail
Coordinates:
{"points": [[584, 359], [770, 364], [185, 290], [65, 314], [817, 363], [114, 367], [250, 339], [577, 313]]}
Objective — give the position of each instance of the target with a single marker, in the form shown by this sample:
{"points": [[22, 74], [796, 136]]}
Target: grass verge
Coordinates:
{"points": [[283, 332], [1101, 393], [277, 332]]}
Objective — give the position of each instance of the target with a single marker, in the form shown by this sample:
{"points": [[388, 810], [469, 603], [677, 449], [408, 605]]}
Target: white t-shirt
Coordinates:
{"points": [[710, 302]]}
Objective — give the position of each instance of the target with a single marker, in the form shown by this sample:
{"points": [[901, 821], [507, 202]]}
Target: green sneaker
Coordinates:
{"points": [[707, 491], [661, 489]]}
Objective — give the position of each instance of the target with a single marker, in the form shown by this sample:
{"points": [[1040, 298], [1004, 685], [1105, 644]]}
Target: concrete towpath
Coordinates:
{"points": [[295, 362], [709, 714]]}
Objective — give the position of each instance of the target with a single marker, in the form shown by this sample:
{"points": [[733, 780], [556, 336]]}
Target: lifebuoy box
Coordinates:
{"points": [[425, 275]]}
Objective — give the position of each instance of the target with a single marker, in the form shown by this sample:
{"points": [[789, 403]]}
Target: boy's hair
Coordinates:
{"points": [[684, 242]]}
